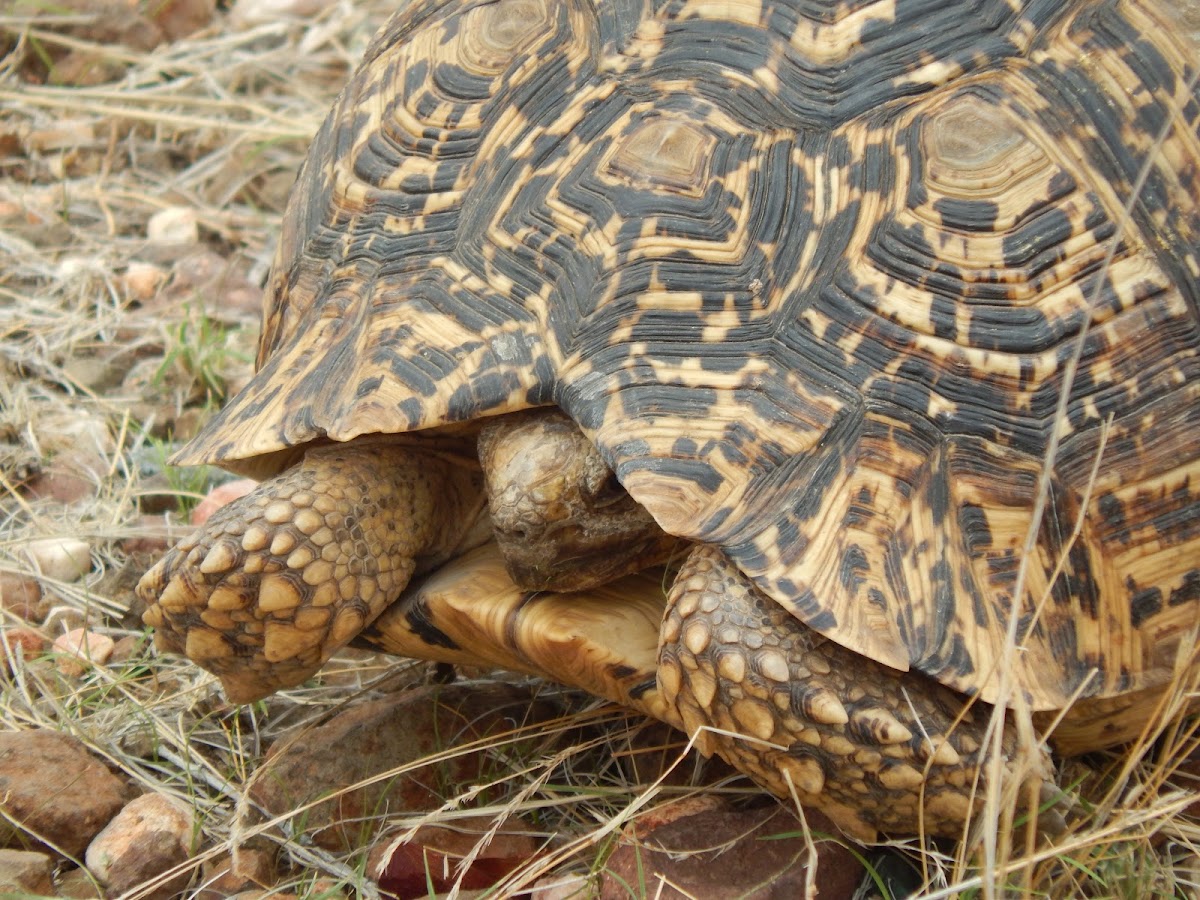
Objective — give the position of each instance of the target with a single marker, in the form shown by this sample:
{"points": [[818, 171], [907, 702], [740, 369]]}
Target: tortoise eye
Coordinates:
{"points": [[665, 152]]}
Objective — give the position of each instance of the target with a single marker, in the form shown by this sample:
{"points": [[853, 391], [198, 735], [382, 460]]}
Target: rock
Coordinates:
{"points": [[27, 642], [150, 835], [60, 558], [98, 373], [61, 134], [141, 280], [561, 887], [174, 225], [158, 495], [63, 617], [650, 752], [22, 596], [78, 431], [381, 735], [179, 18], [704, 847], [245, 869], [187, 424], [80, 649], [78, 884], [25, 872], [249, 13], [1184, 776], [72, 476], [127, 648], [221, 495], [199, 270], [151, 534], [432, 858], [54, 790], [119, 584], [63, 487]]}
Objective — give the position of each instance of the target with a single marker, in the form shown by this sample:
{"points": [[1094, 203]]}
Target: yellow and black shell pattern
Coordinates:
{"points": [[814, 276]]}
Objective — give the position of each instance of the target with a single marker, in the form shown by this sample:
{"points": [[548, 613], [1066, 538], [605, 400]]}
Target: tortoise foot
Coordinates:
{"points": [[874, 748], [274, 583]]}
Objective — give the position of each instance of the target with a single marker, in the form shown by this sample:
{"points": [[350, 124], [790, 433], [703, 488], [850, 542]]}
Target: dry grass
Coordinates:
{"points": [[113, 347]]}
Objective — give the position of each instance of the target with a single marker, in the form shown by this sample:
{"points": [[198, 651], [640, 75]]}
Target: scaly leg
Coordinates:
{"points": [[873, 748], [265, 592]]}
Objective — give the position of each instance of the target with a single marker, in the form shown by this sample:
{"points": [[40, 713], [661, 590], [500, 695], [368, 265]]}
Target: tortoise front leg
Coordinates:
{"points": [[274, 583], [872, 747]]}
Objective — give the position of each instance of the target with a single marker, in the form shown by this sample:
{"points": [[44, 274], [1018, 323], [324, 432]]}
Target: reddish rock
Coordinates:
{"points": [[21, 595], [179, 18], [141, 280], [375, 737], [704, 847], [78, 650], [127, 648], [64, 487], [655, 752], [433, 858], [197, 271], [77, 884], [245, 298], [23, 872], [246, 869], [28, 642], [55, 790], [72, 476], [150, 835], [219, 496], [151, 535]]}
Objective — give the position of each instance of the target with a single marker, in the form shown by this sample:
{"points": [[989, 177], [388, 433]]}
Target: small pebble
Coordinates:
{"points": [[23, 873], [221, 495], [142, 280], [22, 596], [249, 13], [60, 558], [27, 642], [174, 225], [147, 837], [79, 649]]}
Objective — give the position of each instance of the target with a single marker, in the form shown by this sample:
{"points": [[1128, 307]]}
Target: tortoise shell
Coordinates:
{"points": [[826, 283]]}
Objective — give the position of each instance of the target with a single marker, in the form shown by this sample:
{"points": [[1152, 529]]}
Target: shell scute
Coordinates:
{"points": [[815, 293]]}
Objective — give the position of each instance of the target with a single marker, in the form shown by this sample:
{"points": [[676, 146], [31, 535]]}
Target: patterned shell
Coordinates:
{"points": [[814, 276]]}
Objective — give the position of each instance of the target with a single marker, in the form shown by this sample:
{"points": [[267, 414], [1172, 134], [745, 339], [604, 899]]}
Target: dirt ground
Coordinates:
{"points": [[146, 152]]}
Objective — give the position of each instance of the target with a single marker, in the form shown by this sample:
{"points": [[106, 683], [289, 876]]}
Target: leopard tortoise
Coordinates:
{"points": [[800, 294]]}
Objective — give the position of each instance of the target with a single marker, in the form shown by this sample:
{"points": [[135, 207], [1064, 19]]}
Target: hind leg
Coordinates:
{"points": [[873, 748]]}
